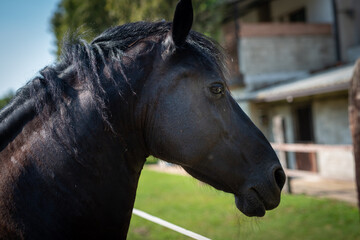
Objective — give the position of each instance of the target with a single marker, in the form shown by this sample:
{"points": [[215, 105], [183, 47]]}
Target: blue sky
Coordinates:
{"points": [[26, 42]]}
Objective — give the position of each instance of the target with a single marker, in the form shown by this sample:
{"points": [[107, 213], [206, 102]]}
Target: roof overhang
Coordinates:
{"points": [[327, 82]]}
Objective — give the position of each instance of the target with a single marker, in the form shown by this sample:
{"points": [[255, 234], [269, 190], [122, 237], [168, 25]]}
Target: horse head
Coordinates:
{"points": [[189, 118]]}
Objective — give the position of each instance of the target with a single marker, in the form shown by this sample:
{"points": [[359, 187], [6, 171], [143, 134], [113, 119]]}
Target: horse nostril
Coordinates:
{"points": [[280, 177]]}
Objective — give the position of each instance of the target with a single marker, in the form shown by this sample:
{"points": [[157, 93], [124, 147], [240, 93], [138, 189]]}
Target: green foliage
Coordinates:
{"points": [[206, 12], [85, 16], [94, 16], [151, 160], [5, 100], [183, 201]]}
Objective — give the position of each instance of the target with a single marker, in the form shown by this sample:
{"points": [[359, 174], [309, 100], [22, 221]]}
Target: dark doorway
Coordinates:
{"points": [[298, 15], [264, 12], [304, 123], [304, 134]]}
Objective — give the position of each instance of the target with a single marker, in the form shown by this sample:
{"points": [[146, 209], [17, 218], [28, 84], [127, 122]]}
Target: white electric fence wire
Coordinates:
{"points": [[169, 225]]}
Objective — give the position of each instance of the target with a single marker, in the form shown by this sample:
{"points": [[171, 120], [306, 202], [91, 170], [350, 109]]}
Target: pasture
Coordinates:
{"points": [[213, 214]]}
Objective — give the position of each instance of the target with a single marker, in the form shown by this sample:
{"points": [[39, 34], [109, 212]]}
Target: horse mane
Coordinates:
{"points": [[89, 64]]}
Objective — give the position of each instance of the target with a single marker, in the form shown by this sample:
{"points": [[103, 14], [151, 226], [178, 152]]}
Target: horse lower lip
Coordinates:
{"points": [[250, 204]]}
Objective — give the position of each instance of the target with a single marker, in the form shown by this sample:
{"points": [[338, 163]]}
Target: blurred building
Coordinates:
{"points": [[291, 64]]}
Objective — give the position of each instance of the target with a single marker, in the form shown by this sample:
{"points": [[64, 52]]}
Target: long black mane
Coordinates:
{"points": [[93, 65]]}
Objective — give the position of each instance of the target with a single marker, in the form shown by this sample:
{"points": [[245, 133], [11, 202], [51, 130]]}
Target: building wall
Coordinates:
{"points": [[331, 121], [251, 17], [280, 8], [262, 115], [321, 11], [275, 54], [318, 11], [337, 165], [349, 30], [261, 55], [331, 126]]}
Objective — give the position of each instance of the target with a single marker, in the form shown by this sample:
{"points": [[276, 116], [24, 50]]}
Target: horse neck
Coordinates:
{"points": [[92, 138], [138, 64], [93, 160], [74, 144]]}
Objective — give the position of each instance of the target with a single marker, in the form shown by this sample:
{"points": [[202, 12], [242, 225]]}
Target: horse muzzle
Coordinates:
{"points": [[257, 199]]}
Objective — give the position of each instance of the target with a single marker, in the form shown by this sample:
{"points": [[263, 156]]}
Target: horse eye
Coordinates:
{"points": [[217, 88]]}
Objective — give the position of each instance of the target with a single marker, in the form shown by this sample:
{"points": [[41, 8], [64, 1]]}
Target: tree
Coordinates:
{"points": [[89, 17], [5, 100], [94, 16], [354, 116], [206, 12]]}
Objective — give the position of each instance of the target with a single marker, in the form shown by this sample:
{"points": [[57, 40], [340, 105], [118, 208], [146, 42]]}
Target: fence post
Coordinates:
{"points": [[279, 137], [354, 118]]}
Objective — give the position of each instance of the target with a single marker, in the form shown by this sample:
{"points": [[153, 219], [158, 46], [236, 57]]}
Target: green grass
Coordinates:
{"points": [[183, 201]]}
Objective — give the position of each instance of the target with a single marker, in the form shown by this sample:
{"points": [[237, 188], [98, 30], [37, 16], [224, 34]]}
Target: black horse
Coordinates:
{"points": [[74, 140]]}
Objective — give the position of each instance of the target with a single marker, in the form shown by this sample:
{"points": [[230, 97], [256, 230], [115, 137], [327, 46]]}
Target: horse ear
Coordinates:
{"points": [[182, 22]]}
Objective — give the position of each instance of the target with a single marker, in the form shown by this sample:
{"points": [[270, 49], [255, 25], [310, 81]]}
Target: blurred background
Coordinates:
{"points": [[290, 62]]}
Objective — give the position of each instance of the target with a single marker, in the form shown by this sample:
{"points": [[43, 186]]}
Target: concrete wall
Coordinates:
{"points": [[349, 30], [274, 52], [260, 55], [337, 165], [319, 11], [331, 126], [331, 121]]}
